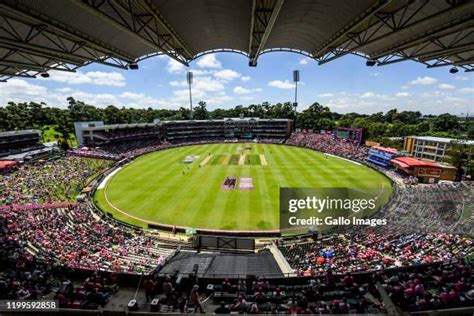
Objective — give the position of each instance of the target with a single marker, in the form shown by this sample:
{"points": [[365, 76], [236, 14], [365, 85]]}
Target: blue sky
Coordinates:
{"points": [[225, 80]]}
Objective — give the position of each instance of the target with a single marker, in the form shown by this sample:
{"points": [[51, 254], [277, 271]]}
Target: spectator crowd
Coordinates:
{"points": [[419, 270], [344, 253], [329, 144], [79, 238], [43, 182]]}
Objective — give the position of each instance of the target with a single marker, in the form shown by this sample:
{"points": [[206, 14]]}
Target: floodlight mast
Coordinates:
{"points": [[296, 79], [189, 77]]}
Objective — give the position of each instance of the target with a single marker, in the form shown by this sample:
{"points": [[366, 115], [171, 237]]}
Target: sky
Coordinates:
{"points": [[224, 80]]}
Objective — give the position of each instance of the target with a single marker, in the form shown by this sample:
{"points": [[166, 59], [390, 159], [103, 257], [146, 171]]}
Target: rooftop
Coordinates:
{"points": [[21, 132], [443, 139], [384, 32], [406, 162]]}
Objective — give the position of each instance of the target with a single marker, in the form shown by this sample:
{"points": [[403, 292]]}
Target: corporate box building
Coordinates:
{"points": [[95, 133]]}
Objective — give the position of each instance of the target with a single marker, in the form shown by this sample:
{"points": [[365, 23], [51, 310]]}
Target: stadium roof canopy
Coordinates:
{"points": [[41, 35]]}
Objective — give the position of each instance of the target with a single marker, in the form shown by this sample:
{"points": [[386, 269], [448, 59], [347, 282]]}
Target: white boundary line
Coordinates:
{"points": [[344, 159], [102, 184]]}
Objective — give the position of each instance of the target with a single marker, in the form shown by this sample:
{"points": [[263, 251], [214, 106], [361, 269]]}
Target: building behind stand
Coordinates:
{"points": [[24, 146], [426, 171]]}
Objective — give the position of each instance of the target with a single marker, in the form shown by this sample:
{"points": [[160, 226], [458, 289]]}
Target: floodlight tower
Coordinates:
{"points": [[189, 77], [296, 79]]}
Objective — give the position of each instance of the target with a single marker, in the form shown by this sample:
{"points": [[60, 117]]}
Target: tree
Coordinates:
{"points": [[445, 123], [112, 115], [470, 130], [200, 112], [315, 117], [461, 156]]}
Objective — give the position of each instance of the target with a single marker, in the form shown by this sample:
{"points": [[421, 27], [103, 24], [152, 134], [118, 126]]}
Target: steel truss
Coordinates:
{"points": [[143, 21], [59, 49], [379, 25], [264, 15]]}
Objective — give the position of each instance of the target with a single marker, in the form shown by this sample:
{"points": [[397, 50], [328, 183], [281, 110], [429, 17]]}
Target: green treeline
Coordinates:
{"points": [[378, 126]]}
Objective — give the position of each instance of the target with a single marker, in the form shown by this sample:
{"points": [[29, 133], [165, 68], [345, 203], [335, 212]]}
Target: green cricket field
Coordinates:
{"points": [[161, 187]]}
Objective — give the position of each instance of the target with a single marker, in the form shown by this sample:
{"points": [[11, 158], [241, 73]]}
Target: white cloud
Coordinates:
{"points": [[303, 61], [404, 87], [131, 95], [202, 72], [403, 94], [99, 78], [183, 95], [209, 61], [246, 98], [374, 96], [245, 78], [176, 83], [281, 84], [445, 86], [18, 90], [424, 81], [175, 67], [326, 95], [242, 90], [461, 78], [226, 74], [467, 90], [428, 102], [375, 74], [207, 84], [367, 95], [65, 90], [219, 99]]}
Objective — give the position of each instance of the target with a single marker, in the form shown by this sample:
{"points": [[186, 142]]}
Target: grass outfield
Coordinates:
{"points": [[154, 188]]}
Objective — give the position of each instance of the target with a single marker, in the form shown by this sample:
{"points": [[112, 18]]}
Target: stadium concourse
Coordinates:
{"points": [[58, 246]]}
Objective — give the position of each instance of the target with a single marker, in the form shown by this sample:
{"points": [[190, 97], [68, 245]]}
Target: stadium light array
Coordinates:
{"points": [[189, 77], [133, 65], [44, 74], [453, 70], [296, 79]]}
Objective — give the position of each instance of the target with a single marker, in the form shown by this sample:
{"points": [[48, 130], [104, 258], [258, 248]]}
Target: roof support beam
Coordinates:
{"points": [[149, 27], [127, 30], [168, 28], [426, 56], [26, 66], [41, 51], [445, 52], [363, 18], [464, 62], [463, 8], [20, 75], [437, 32], [28, 14], [47, 53], [442, 63], [261, 26], [61, 56]]}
